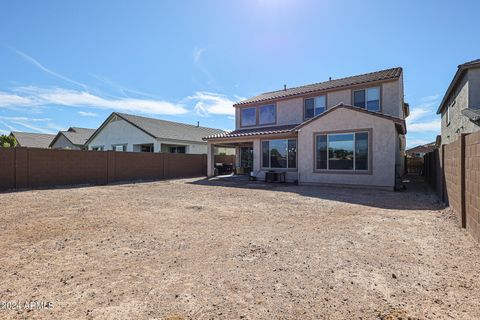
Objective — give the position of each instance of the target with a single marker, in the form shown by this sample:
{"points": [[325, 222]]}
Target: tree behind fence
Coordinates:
{"points": [[34, 168]]}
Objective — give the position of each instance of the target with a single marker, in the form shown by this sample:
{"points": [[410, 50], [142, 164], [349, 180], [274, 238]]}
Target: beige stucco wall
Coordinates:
{"points": [[383, 151], [337, 97], [290, 111], [392, 98]]}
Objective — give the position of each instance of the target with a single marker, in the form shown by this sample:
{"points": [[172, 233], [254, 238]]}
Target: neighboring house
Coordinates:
{"points": [[420, 151], [125, 132], [32, 140], [460, 107], [348, 131], [74, 138]]}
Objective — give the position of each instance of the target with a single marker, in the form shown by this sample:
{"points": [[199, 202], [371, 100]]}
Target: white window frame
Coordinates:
{"points": [[114, 147], [354, 156]]}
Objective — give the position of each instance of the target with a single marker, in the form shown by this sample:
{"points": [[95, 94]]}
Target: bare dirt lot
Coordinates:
{"points": [[195, 249]]}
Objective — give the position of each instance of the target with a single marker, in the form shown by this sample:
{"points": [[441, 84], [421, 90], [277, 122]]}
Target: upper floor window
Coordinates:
{"points": [[266, 114], [248, 116], [367, 99], [314, 106]]}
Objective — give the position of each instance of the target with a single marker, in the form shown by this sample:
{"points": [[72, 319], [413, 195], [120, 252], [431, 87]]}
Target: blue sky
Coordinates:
{"points": [[66, 63]]}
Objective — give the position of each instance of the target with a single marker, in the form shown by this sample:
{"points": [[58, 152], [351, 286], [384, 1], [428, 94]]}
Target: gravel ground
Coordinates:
{"points": [[195, 249]]}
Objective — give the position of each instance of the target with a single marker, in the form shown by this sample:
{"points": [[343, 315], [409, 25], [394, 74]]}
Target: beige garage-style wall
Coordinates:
{"points": [[383, 149]]}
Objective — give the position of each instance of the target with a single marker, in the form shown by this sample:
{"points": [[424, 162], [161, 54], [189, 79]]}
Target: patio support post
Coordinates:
{"points": [[210, 159]]}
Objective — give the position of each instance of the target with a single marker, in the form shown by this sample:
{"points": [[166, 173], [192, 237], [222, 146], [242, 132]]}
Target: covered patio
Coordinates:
{"points": [[258, 151]]}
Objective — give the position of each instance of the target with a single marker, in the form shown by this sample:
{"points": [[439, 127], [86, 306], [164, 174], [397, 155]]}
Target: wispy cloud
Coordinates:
{"points": [[197, 54], [7, 99], [423, 117], [207, 103], [8, 126], [36, 96], [427, 126], [430, 98], [42, 125], [87, 114], [47, 70]]}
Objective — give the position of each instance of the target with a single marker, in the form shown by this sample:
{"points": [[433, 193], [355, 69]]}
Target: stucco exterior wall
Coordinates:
{"points": [[383, 149], [458, 122], [64, 143], [121, 132], [474, 88], [290, 111], [336, 97], [392, 98]]}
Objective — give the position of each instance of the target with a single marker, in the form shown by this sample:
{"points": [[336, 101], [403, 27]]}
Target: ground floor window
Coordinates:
{"points": [[342, 151], [146, 148], [177, 149], [120, 147], [279, 153]]}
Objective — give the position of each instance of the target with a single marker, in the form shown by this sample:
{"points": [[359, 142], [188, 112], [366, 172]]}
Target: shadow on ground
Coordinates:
{"points": [[417, 196]]}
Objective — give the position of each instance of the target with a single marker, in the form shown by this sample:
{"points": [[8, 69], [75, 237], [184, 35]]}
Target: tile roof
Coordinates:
{"points": [[77, 136], [472, 114], [399, 123], [382, 75], [253, 132], [429, 147], [33, 140], [162, 129]]}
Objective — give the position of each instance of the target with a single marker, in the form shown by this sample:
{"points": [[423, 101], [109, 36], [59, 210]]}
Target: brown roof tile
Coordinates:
{"points": [[387, 74]]}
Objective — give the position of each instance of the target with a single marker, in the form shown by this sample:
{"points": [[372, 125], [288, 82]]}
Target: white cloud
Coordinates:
{"points": [[42, 125], [430, 98], [427, 126], [8, 126], [197, 54], [87, 114], [7, 99], [46, 70], [35, 96], [212, 103]]}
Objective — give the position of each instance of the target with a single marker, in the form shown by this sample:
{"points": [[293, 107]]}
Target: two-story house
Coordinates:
{"points": [[348, 131], [460, 106]]}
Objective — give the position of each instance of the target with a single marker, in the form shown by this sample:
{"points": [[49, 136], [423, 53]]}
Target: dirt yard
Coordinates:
{"points": [[194, 249]]}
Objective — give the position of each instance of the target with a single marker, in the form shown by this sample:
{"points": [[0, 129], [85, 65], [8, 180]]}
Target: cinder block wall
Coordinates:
{"points": [[34, 168], [472, 184], [453, 173]]}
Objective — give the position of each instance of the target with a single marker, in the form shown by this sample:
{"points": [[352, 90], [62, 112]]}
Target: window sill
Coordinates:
{"points": [[355, 172]]}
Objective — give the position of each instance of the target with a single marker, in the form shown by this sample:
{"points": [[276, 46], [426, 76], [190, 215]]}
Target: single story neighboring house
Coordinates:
{"points": [[74, 138], [126, 132], [32, 140], [348, 131], [420, 151]]}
